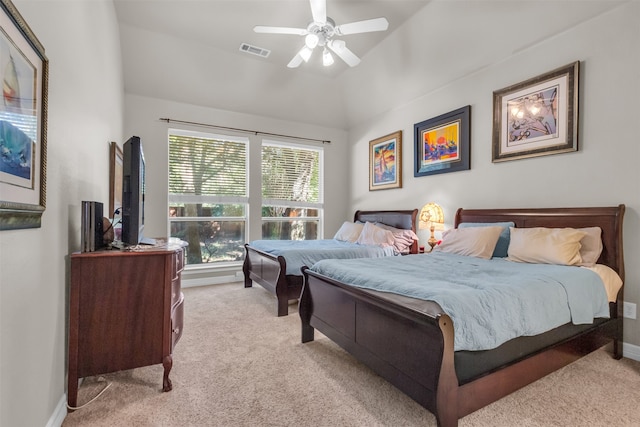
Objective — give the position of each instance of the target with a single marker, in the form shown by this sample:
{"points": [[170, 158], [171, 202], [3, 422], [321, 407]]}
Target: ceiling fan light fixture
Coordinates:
{"points": [[327, 58], [320, 32], [305, 53], [311, 40]]}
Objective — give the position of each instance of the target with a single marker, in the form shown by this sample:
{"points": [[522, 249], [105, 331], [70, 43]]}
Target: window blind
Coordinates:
{"points": [[206, 166], [290, 174]]}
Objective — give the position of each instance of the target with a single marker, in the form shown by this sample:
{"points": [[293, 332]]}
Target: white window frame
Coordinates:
{"points": [[292, 204], [188, 198]]}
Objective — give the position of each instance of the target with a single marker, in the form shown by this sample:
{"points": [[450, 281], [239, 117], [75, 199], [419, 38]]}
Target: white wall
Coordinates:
{"points": [[81, 42], [142, 119], [603, 172]]}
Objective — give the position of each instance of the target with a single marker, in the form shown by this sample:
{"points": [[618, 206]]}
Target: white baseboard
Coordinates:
{"points": [[631, 351], [191, 283], [59, 413]]}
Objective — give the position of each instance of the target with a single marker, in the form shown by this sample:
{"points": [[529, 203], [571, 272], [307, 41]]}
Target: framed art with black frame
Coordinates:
{"points": [[537, 117], [442, 144], [23, 122]]}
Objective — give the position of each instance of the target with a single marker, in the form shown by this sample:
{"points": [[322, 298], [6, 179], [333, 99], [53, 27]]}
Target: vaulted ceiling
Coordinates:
{"points": [[189, 51]]}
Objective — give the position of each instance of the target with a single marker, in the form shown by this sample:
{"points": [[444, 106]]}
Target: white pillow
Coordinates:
{"points": [[373, 235], [591, 246], [473, 241], [349, 232], [545, 245]]}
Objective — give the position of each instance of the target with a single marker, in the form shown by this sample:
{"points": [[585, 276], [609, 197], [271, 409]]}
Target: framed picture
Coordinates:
{"points": [[538, 116], [23, 123], [443, 143], [385, 162], [115, 178]]}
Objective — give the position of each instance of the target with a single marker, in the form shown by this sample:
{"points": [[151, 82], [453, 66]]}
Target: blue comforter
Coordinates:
{"points": [[489, 301], [299, 253]]}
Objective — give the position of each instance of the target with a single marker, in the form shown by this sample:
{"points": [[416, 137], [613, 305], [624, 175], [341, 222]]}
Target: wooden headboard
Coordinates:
{"points": [[405, 219], [609, 219]]}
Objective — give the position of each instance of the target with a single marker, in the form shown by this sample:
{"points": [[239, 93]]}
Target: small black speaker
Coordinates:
{"points": [[92, 237]]}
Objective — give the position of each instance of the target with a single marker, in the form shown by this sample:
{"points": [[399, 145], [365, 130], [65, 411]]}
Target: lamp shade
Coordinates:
{"points": [[327, 58], [431, 214]]}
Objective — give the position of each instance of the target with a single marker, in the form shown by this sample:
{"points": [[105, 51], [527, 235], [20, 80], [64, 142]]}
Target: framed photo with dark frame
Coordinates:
{"points": [[116, 166], [23, 122], [537, 117], [442, 144], [385, 162]]}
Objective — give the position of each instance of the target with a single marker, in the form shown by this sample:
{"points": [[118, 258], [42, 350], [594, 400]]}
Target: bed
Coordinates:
{"points": [[423, 362], [270, 270]]}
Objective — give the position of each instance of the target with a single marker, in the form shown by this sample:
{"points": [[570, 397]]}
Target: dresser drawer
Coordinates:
{"points": [[178, 263], [175, 291], [177, 318]]}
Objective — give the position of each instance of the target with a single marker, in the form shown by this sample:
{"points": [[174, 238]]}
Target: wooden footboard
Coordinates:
{"points": [[414, 350], [269, 271], [368, 329]]}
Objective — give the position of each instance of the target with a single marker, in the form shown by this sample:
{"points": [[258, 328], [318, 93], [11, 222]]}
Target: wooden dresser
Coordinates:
{"points": [[125, 311]]}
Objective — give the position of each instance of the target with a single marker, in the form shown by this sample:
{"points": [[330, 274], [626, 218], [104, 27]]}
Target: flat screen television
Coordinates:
{"points": [[133, 189]]}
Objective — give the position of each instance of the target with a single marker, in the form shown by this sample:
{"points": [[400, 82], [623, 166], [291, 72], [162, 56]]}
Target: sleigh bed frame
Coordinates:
{"points": [[412, 346], [269, 270]]}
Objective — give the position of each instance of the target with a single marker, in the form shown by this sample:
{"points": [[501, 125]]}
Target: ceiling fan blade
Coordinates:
{"points": [[295, 62], [303, 55], [340, 49], [319, 11], [367, 26], [280, 30]]}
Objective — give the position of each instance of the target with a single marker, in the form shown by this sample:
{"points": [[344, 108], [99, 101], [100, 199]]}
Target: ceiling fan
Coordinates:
{"points": [[321, 32]]}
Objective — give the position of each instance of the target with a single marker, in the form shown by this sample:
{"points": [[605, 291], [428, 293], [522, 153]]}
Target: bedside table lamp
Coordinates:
{"points": [[432, 218]]}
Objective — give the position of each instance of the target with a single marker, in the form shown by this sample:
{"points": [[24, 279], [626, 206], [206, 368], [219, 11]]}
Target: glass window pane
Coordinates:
{"points": [[207, 210], [290, 230], [211, 241], [291, 175], [283, 212], [208, 182]]}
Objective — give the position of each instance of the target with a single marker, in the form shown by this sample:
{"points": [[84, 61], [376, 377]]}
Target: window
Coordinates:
{"points": [[208, 195], [291, 191]]}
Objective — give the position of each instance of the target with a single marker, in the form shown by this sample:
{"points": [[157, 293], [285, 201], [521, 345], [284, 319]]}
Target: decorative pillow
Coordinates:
{"points": [[478, 242], [403, 239], [503, 241], [545, 245], [349, 232], [373, 235], [591, 246]]}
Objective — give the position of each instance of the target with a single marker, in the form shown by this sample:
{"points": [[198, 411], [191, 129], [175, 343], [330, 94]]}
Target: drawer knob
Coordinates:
{"points": [[176, 330]]}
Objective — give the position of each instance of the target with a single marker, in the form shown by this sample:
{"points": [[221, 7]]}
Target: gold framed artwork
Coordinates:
{"points": [[385, 162], [23, 122], [537, 117]]}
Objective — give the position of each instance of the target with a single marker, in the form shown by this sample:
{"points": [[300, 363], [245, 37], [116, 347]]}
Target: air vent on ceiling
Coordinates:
{"points": [[254, 50]]}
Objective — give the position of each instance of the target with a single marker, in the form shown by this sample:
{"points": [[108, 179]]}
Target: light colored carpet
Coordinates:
{"points": [[237, 364]]}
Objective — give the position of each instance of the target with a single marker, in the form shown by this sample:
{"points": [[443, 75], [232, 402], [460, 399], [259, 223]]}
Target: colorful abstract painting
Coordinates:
{"points": [[441, 144], [385, 161]]}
